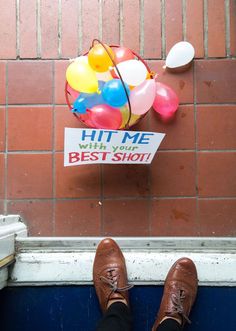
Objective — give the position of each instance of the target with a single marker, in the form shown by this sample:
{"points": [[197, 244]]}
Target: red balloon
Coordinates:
{"points": [[122, 54], [105, 117], [86, 119], [166, 101]]}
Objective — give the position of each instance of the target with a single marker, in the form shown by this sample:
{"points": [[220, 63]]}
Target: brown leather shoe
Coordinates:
{"points": [[179, 292], [109, 273]]}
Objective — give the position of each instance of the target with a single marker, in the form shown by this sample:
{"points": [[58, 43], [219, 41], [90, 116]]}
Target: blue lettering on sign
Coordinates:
{"points": [[102, 135], [142, 138], [137, 138]]}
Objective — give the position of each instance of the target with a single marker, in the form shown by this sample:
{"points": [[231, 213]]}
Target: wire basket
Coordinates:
{"points": [[130, 118]]}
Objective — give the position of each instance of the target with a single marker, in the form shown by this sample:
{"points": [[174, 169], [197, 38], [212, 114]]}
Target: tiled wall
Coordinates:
{"points": [[189, 189]]}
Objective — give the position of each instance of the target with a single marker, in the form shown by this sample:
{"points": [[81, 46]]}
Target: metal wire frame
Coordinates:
{"points": [[120, 76]]}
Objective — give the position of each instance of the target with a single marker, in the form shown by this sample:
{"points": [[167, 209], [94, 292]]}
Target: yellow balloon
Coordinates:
{"points": [[125, 116], [99, 59], [81, 77]]}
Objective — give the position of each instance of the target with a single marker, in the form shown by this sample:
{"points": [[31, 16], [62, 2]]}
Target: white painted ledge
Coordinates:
{"points": [[65, 261], [10, 227]]}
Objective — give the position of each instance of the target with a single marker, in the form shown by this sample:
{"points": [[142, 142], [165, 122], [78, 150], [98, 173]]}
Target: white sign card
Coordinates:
{"points": [[89, 146]]}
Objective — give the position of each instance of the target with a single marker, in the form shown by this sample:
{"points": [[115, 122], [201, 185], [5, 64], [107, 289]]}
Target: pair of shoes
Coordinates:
{"points": [[111, 283]]}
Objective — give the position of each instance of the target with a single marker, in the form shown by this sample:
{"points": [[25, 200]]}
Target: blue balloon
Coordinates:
{"points": [[79, 105], [88, 100], [114, 93]]}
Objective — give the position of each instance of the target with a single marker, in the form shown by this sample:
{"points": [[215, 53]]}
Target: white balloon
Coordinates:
{"points": [[133, 72], [180, 55]]}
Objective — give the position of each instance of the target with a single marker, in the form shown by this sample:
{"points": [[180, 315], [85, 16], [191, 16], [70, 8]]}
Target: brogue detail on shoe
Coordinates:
{"points": [[179, 292], [109, 273]]}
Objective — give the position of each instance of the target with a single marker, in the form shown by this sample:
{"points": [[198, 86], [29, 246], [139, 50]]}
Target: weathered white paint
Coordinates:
{"points": [[51, 261], [10, 227]]}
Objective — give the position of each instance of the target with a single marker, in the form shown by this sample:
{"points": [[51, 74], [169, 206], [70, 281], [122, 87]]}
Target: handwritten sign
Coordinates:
{"points": [[88, 146]]}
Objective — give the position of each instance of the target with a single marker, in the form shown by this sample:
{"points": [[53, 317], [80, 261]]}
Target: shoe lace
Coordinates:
{"points": [[112, 280], [177, 301]]}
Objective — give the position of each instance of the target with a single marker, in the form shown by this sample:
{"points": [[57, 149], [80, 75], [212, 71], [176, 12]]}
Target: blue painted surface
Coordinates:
{"points": [[75, 308]]}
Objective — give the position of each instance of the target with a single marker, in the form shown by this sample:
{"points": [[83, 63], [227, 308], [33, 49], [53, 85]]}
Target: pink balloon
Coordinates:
{"points": [[105, 117], [72, 92], [166, 101], [142, 97]]}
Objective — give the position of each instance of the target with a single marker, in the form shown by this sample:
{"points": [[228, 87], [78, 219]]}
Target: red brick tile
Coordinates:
{"points": [[216, 81], [111, 22], [173, 23], [179, 132], [78, 181], [29, 176], [125, 180], [33, 131], [2, 128], [2, 177], [2, 82], [174, 217], [27, 29], [49, 29], [131, 23], [77, 218], [217, 217], [36, 214], [60, 79], [194, 26], [8, 29], [216, 28], [217, 175], [64, 119], [69, 30], [90, 23], [221, 133], [125, 218], [181, 83], [152, 29], [30, 82], [232, 27], [2, 207], [169, 171]]}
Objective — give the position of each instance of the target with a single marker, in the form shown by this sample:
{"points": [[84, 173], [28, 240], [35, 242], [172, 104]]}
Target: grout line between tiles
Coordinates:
{"points": [[128, 198], [17, 28], [6, 146], [205, 25], [39, 37], [65, 105], [227, 27], [196, 146], [101, 200], [80, 29], [60, 151], [163, 29], [141, 28], [53, 150], [121, 22], [24, 59], [59, 26], [184, 19], [100, 20]]}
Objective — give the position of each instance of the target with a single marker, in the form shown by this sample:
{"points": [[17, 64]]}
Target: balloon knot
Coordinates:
{"points": [[152, 74]]}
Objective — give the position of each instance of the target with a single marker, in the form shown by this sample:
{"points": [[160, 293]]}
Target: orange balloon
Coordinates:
{"points": [[98, 58]]}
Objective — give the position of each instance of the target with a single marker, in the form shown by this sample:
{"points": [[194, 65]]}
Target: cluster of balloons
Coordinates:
{"points": [[102, 99]]}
